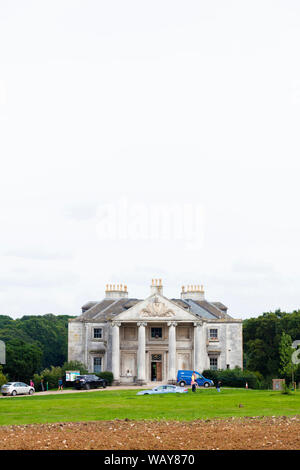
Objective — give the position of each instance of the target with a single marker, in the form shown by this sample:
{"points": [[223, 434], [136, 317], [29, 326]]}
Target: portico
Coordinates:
{"points": [[153, 351]]}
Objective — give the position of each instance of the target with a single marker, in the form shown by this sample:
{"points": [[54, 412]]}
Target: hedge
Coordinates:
{"points": [[108, 376], [234, 377]]}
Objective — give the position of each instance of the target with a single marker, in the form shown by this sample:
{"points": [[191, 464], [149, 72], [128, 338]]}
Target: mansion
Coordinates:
{"points": [[142, 341]]}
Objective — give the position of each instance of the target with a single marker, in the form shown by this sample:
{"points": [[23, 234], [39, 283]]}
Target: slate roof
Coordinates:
{"points": [[107, 309]]}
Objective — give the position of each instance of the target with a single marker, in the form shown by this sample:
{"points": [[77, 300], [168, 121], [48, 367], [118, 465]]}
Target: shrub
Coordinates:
{"points": [[234, 377], [3, 378], [285, 389], [50, 377], [106, 375]]}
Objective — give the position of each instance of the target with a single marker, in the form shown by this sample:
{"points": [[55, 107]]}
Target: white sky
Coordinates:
{"points": [[113, 110]]}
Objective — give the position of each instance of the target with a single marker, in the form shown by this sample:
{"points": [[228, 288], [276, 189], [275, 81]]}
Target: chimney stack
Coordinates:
{"points": [[156, 287], [192, 292], [116, 291]]}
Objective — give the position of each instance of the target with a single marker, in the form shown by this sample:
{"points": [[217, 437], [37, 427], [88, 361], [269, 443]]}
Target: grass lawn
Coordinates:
{"points": [[109, 405]]}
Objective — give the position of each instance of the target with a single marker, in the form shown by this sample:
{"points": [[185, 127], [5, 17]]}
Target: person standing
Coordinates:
{"points": [[193, 382], [31, 383], [218, 385], [60, 384], [42, 385]]}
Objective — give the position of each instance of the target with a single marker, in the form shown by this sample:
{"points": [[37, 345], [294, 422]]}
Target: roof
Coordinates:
{"points": [[211, 308], [107, 309]]}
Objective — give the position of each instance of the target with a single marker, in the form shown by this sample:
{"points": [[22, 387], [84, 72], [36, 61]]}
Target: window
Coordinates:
{"points": [[213, 361], [156, 332], [213, 334], [97, 364], [97, 333]]}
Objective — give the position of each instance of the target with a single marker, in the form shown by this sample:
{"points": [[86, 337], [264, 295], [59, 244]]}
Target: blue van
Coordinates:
{"points": [[184, 377]]}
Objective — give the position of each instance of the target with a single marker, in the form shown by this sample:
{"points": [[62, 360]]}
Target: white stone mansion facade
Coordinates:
{"points": [[149, 340]]}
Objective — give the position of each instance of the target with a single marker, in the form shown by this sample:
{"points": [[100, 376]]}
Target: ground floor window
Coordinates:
{"points": [[98, 364], [213, 362]]}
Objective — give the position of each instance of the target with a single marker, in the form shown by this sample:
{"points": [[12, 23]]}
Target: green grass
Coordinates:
{"points": [[109, 405]]}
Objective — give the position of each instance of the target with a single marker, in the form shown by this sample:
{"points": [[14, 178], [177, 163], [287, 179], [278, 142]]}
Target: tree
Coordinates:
{"points": [[22, 360], [3, 379], [285, 354], [49, 332]]}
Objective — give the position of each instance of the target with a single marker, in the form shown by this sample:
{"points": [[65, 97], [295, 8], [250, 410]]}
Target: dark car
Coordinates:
{"points": [[89, 381]]}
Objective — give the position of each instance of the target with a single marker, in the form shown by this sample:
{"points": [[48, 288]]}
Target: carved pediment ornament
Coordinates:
{"points": [[157, 309]]}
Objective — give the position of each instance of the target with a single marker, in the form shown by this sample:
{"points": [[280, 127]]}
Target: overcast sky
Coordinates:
{"points": [[149, 139]]}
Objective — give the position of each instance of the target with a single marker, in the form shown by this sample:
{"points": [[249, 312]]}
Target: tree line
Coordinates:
{"points": [[38, 342], [33, 343], [267, 344]]}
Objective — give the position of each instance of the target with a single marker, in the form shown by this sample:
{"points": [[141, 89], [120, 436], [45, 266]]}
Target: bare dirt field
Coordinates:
{"points": [[258, 433]]}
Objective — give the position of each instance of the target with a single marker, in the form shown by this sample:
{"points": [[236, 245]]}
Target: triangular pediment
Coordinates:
{"points": [[156, 308]]}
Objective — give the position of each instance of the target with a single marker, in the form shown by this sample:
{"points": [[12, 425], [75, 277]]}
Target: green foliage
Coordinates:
{"points": [[285, 389], [22, 360], [50, 376], [53, 374], [51, 332], [3, 378], [234, 377], [262, 337], [106, 375], [33, 343], [285, 354]]}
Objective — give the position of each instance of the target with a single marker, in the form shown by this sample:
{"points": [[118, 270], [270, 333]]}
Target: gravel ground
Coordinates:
{"points": [[257, 433]]}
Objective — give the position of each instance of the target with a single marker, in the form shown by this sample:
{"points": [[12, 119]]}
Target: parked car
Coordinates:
{"points": [[184, 378], [16, 388], [89, 381], [163, 389]]}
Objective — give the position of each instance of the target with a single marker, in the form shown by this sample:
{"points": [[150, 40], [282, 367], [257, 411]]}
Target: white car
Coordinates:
{"points": [[163, 389], [17, 388]]}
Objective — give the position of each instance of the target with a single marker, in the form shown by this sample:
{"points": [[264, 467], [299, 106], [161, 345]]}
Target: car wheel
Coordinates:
{"points": [[182, 383], [30, 392], [206, 385], [104, 384], [14, 393], [87, 387]]}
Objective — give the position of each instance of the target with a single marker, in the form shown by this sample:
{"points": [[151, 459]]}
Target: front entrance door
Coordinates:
{"points": [[156, 367]]}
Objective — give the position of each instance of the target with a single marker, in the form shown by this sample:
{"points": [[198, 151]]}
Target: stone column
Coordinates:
{"points": [[172, 352], [141, 357], [198, 360], [116, 351]]}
